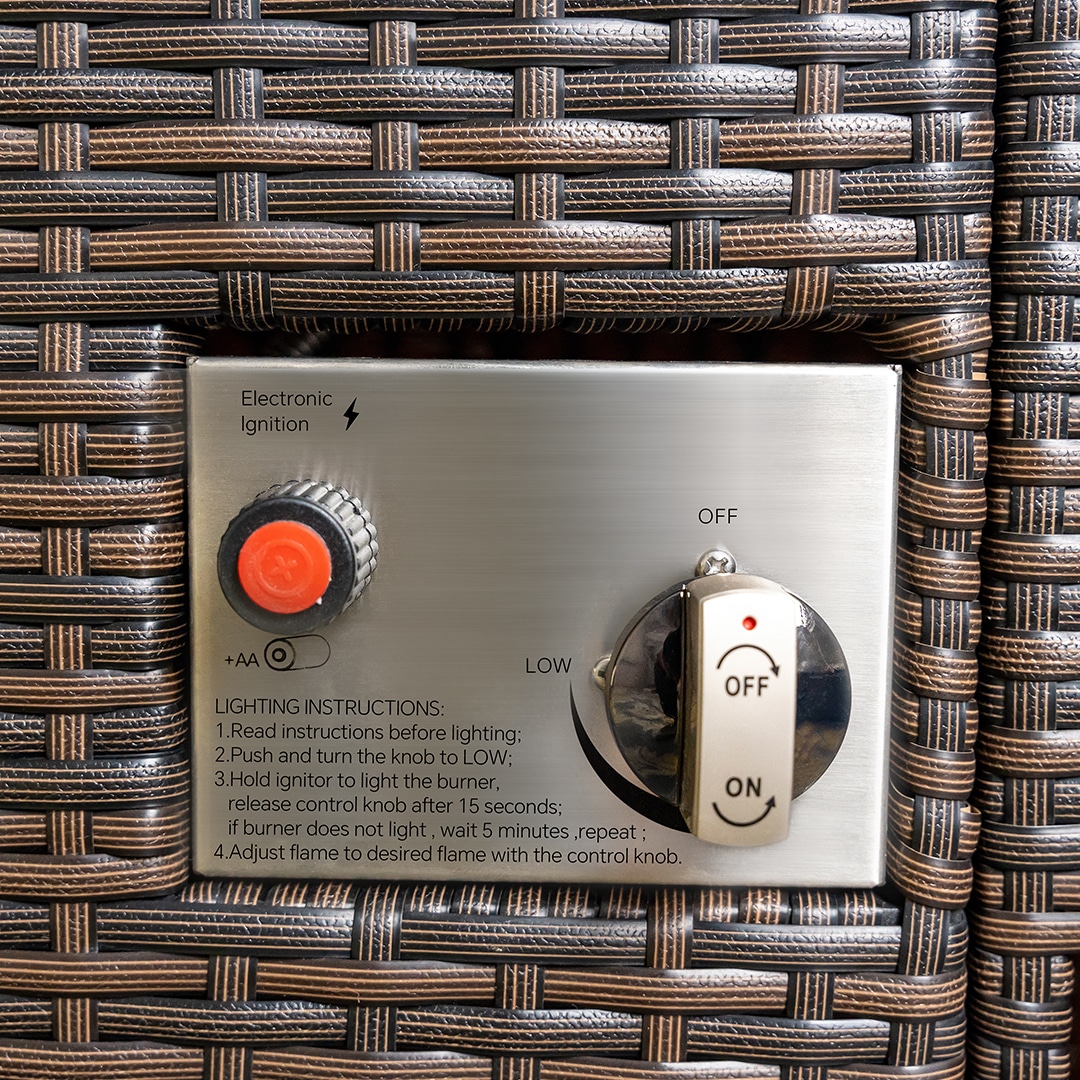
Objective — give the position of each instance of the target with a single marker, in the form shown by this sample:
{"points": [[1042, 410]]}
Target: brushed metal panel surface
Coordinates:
{"points": [[525, 512]]}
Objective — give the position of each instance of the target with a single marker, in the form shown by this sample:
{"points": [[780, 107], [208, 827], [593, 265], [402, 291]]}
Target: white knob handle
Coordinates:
{"points": [[739, 709]]}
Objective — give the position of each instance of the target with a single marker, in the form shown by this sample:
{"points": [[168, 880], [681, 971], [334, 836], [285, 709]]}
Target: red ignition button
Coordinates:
{"points": [[284, 567]]}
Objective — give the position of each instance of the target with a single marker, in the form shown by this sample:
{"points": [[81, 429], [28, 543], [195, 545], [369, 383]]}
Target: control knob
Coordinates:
{"points": [[728, 696]]}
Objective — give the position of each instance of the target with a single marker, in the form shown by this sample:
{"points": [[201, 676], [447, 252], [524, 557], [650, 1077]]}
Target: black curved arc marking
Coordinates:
{"points": [[746, 645], [769, 807], [650, 806]]}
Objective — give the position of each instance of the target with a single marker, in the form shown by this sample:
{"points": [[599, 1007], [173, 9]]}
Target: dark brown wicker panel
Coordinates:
{"points": [[463, 982], [626, 163], [1028, 881], [503, 164]]}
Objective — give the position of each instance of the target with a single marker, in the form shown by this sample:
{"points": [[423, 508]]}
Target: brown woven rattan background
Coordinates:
{"points": [[1028, 888], [505, 165]]}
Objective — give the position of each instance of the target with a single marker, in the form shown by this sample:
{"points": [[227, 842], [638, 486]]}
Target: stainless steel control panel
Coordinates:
{"points": [[541, 621]]}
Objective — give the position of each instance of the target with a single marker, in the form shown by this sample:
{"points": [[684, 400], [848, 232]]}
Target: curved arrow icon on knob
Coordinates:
{"points": [[775, 667], [770, 805]]}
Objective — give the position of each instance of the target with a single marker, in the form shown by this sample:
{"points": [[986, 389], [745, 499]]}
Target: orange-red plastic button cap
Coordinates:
{"points": [[284, 566]]}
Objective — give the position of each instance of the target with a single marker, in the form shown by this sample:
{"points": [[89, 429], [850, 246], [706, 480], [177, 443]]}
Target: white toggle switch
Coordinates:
{"points": [[739, 709]]}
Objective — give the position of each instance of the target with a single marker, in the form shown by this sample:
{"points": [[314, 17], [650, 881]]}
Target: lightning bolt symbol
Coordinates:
{"points": [[351, 414]]}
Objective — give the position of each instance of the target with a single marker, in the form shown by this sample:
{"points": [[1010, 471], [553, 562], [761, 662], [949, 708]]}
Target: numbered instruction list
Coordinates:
{"points": [[384, 785]]}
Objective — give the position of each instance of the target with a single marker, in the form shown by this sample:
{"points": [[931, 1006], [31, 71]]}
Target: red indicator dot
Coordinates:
{"points": [[749, 622], [284, 566]]}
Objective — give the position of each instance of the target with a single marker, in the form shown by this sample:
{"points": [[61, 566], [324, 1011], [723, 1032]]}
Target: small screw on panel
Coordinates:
{"points": [[600, 670], [717, 561]]}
